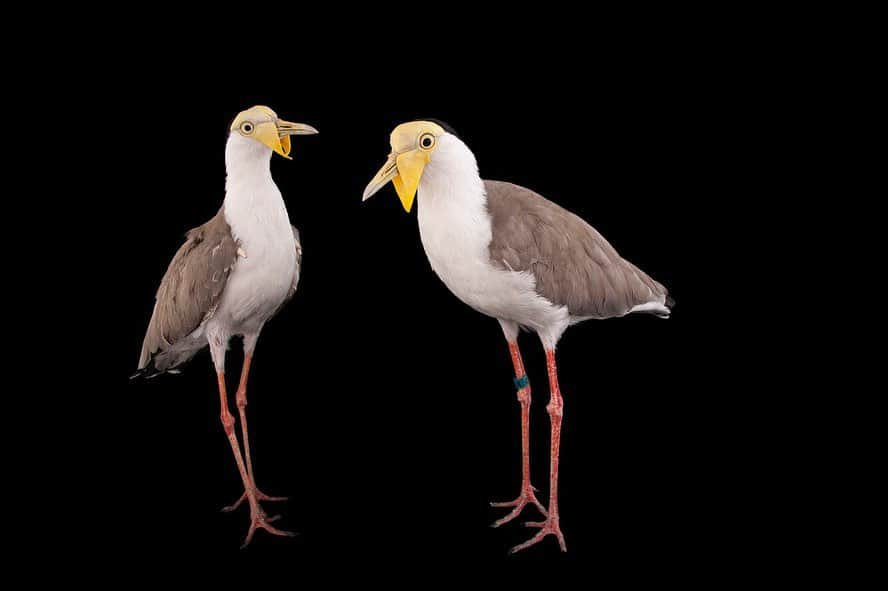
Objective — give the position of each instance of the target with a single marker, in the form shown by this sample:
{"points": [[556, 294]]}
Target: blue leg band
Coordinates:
{"points": [[521, 382]]}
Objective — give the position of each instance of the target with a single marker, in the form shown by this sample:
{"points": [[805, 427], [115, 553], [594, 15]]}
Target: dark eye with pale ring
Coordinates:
{"points": [[246, 127], [426, 141]]}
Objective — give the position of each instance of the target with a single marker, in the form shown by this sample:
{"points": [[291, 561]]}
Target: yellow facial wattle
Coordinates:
{"points": [[410, 167], [263, 125], [412, 147]]}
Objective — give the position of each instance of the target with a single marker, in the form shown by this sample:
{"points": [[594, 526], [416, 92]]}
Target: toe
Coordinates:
{"points": [[264, 497], [249, 537], [515, 513], [235, 505], [278, 532], [527, 544]]}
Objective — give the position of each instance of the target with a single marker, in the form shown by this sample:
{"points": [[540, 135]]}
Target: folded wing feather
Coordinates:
{"points": [[572, 263]]}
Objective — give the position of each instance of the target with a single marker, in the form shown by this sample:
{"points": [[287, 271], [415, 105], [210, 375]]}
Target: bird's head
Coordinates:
{"points": [[414, 146], [262, 125]]}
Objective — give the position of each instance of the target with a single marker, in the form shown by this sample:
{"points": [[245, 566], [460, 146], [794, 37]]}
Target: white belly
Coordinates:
{"points": [[258, 285], [265, 269]]}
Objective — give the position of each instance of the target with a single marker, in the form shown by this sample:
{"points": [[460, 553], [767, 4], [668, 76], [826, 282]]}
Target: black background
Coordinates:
{"points": [[380, 403]]}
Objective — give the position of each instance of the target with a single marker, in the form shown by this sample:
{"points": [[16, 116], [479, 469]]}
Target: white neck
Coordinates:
{"points": [[451, 198], [254, 208], [451, 180], [246, 161]]}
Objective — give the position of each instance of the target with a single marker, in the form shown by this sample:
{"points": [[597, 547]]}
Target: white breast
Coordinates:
{"points": [[265, 269]]}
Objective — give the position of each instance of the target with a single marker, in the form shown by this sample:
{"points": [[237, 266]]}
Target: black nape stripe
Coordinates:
{"points": [[443, 124]]}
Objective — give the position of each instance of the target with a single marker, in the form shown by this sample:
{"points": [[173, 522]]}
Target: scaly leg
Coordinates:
{"points": [[218, 341], [527, 489], [556, 411], [257, 515], [241, 399]]}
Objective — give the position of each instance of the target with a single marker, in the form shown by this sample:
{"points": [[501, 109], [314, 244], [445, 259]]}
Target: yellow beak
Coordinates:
{"points": [[276, 134], [404, 170]]}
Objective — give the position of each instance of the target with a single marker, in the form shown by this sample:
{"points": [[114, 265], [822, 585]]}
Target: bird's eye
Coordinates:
{"points": [[246, 128], [426, 141]]}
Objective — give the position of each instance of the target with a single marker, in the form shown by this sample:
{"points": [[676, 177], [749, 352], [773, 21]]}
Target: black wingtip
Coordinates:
{"points": [[149, 371], [139, 375], [669, 301]]}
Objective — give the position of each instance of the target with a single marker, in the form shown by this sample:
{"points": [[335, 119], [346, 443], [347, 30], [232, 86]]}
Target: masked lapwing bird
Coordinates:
{"points": [[230, 277], [511, 254]]}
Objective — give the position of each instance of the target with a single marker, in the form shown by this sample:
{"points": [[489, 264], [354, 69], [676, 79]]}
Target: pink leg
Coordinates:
{"points": [[257, 515], [527, 495], [241, 399], [556, 411]]}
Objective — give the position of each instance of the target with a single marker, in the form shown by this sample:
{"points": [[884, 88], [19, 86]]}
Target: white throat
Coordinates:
{"points": [[454, 224], [452, 204], [254, 208]]}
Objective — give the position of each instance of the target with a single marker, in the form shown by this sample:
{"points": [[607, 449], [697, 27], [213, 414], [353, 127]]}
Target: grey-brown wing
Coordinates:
{"points": [[573, 264], [191, 287]]}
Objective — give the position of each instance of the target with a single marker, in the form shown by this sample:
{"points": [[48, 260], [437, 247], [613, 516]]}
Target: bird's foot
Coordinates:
{"points": [[260, 496], [527, 496], [549, 526], [258, 520]]}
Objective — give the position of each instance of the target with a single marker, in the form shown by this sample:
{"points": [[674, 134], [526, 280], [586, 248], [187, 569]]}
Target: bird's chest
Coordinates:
{"points": [[266, 264], [456, 241], [268, 260]]}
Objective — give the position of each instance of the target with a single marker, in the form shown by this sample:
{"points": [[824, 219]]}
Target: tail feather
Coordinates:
{"points": [[665, 312]]}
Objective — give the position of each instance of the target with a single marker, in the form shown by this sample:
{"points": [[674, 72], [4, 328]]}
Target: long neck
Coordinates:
{"points": [[451, 180], [452, 202], [252, 199], [247, 164]]}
